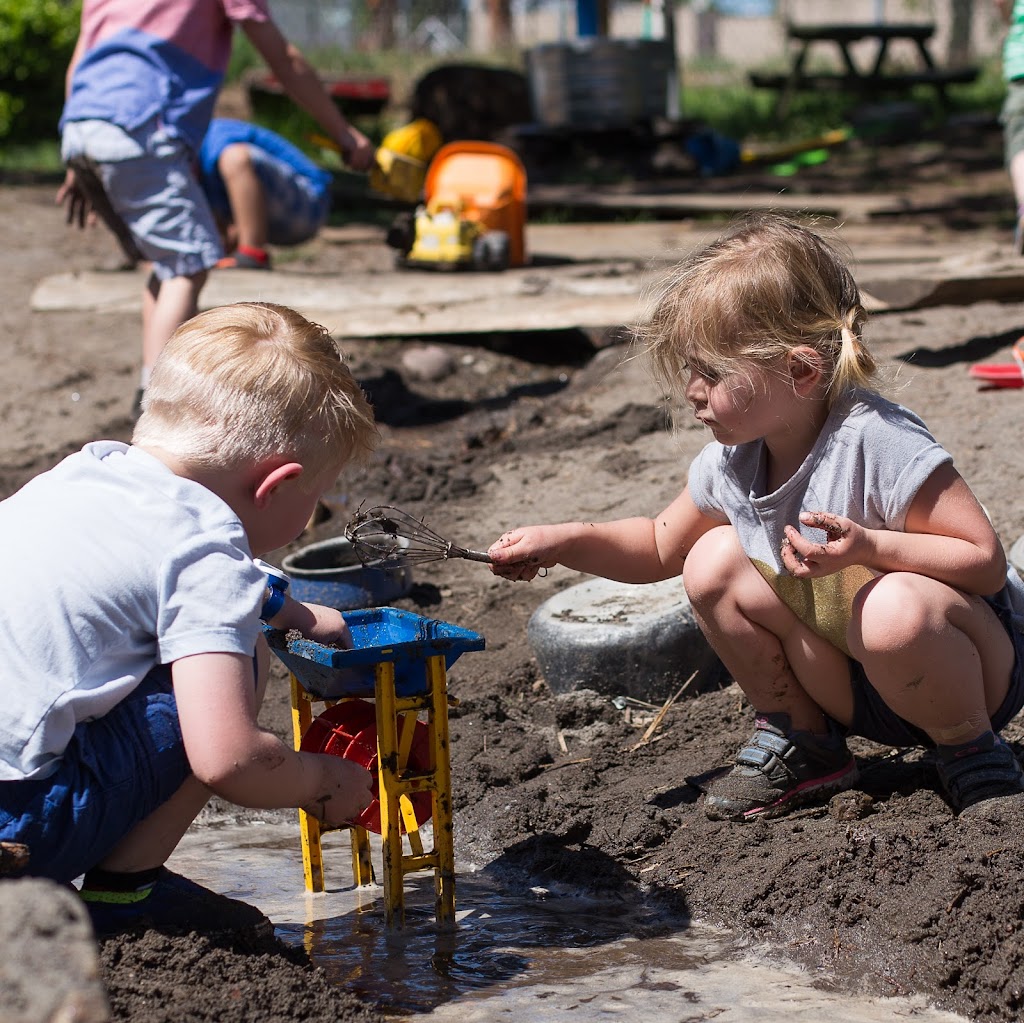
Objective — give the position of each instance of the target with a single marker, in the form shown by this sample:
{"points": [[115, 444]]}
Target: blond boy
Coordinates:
{"points": [[135, 661]]}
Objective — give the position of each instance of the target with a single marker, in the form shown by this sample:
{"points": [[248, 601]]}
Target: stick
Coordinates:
{"points": [[565, 763], [659, 717]]}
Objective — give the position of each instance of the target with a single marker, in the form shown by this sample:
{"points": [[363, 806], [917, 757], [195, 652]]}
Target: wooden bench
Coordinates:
{"points": [[867, 82]]}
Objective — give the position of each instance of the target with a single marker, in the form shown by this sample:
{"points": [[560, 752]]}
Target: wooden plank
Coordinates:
{"points": [[407, 303], [584, 198], [587, 276]]}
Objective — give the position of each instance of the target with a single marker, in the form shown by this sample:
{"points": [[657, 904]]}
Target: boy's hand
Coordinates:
{"points": [[79, 209], [521, 554], [843, 546], [326, 625], [316, 622], [345, 791], [357, 150]]}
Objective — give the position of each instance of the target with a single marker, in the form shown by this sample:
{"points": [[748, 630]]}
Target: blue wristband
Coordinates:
{"points": [[274, 602], [277, 583]]}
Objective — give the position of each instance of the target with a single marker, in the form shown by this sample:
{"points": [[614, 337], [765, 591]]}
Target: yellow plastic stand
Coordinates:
{"points": [[396, 720]]}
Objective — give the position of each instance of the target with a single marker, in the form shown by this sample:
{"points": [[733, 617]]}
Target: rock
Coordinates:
{"points": [[622, 640], [50, 969], [429, 363]]}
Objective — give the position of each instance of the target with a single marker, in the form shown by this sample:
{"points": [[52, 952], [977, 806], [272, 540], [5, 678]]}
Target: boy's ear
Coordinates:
{"points": [[270, 478]]}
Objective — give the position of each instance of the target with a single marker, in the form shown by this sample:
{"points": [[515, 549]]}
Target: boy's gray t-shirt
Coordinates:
{"points": [[114, 564], [868, 464]]}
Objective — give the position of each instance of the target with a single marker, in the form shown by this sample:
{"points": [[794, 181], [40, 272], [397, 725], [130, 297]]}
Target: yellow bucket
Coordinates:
{"points": [[402, 159], [396, 175]]}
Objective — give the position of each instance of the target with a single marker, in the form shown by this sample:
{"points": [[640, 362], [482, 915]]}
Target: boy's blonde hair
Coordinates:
{"points": [[240, 383], [765, 288]]}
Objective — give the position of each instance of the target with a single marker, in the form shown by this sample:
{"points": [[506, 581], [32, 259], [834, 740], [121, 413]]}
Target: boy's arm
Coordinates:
{"points": [[314, 621], [243, 763], [636, 550], [303, 85]]}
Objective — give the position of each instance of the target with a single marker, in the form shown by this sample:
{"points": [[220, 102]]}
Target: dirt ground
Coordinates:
{"points": [[883, 887]]}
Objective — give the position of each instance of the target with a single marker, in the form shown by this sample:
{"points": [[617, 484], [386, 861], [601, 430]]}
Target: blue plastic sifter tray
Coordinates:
{"points": [[379, 634]]}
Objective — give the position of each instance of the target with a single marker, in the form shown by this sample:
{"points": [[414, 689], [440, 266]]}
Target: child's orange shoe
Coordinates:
{"points": [[245, 257]]}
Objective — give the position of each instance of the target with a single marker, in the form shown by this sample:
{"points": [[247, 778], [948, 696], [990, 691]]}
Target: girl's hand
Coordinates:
{"points": [[521, 554], [807, 559]]}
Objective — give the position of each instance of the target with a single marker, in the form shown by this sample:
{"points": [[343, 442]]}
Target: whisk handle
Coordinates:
{"points": [[474, 556]]}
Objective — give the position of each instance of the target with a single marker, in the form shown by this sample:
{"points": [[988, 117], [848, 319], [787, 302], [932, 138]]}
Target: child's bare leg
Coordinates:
{"points": [[792, 676], [245, 193], [941, 660], [166, 305], [1017, 180], [151, 841], [778, 662]]}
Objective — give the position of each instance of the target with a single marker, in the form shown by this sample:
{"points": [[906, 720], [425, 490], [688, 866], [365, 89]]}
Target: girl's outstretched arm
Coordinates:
{"points": [[947, 537], [636, 550]]}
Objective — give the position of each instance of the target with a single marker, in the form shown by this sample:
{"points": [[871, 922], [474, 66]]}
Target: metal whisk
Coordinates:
{"points": [[375, 534]]}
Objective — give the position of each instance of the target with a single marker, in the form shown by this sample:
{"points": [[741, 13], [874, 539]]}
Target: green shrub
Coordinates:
{"points": [[37, 38]]}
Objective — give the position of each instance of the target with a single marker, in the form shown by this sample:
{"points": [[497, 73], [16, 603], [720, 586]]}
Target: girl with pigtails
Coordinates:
{"points": [[835, 559]]}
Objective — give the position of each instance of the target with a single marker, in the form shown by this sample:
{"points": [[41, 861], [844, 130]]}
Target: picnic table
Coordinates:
{"points": [[869, 80]]}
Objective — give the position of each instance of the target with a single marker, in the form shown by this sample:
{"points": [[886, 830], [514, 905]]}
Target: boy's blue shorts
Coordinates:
{"points": [[873, 719], [115, 772]]}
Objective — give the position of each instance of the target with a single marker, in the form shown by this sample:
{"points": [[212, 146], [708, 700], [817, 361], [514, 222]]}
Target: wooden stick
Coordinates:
{"points": [[659, 717]]}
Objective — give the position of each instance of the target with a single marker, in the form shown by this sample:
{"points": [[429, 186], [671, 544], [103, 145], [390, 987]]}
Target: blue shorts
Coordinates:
{"points": [[297, 206], [873, 719], [152, 183], [115, 772]]}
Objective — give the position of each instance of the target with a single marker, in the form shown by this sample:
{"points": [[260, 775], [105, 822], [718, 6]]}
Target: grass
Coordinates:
{"points": [[720, 97], [31, 159]]}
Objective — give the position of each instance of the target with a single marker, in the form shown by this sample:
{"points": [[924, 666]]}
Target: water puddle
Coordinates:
{"points": [[517, 953]]}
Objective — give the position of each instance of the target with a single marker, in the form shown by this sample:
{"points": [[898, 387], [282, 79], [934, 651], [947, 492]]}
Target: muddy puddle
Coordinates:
{"points": [[538, 953]]}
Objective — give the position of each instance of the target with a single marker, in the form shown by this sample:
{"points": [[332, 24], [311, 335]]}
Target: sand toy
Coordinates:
{"points": [[399, 661]]}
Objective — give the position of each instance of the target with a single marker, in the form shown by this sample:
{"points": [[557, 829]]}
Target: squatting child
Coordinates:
{"points": [[835, 559], [134, 660], [262, 190]]}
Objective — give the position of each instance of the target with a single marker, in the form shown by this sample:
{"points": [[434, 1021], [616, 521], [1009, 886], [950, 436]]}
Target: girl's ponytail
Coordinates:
{"points": [[855, 366]]}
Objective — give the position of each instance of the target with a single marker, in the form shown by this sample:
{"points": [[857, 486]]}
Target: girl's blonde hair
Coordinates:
{"points": [[240, 383], [765, 288]]}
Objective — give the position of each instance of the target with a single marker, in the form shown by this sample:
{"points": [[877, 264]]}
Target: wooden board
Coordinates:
{"points": [[585, 276], [405, 303]]}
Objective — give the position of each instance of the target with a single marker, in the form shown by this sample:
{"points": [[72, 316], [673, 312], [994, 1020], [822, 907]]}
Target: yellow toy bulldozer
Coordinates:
{"points": [[473, 213]]}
